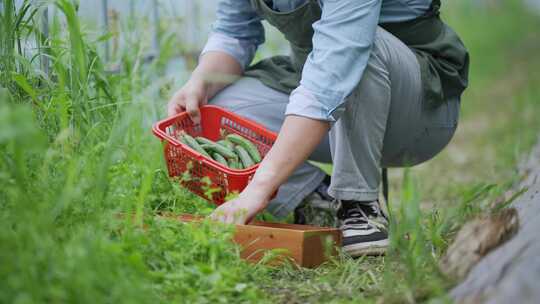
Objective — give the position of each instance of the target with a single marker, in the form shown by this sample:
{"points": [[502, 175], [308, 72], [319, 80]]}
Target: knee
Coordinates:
{"points": [[231, 96]]}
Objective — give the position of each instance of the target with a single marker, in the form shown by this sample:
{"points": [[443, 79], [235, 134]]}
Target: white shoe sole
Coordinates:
{"points": [[371, 248]]}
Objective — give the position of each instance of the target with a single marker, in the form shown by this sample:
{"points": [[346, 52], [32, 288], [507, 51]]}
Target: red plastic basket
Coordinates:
{"points": [[206, 177]]}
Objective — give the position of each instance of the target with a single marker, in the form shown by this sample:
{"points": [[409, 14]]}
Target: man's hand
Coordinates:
{"points": [[240, 210], [215, 71], [189, 98]]}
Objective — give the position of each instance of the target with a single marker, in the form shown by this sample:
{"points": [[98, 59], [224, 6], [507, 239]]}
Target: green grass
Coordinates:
{"points": [[76, 153]]}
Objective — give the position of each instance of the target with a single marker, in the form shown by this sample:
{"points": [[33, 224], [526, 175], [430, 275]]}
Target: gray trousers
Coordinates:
{"points": [[385, 124]]}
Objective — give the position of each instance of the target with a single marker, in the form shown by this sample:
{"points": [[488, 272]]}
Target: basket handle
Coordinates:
{"points": [[158, 129]]}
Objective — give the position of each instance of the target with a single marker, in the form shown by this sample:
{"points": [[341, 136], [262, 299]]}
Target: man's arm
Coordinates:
{"points": [[215, 71], [230, 48], [238, 31], [342, 42], [297, 139]]}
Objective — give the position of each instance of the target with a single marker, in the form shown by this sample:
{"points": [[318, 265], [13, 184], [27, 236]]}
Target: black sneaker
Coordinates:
{"points": [[364, 228], [318, 208]]}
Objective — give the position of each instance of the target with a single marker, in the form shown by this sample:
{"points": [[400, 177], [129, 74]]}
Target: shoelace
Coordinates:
{"points": [[362, 216]]}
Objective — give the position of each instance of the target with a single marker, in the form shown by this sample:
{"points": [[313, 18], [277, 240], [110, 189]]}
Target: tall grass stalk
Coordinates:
{"points": [[412, 250]]}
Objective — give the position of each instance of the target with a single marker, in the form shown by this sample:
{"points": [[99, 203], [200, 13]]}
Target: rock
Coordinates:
{"points": [[509, 273], [476, 239]]}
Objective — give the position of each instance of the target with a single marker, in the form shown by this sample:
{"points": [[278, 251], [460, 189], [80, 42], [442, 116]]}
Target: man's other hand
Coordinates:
{"points": [[189, 98]]}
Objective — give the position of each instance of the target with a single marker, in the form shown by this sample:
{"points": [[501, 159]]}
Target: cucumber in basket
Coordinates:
{"points": [[247, 145]]}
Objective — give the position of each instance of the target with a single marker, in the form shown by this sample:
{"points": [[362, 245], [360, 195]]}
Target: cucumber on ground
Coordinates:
{"points": [[244, 156], [191, 142], [220, 149], [202, 140], [247, 145], [227, 144], [219, 158]]}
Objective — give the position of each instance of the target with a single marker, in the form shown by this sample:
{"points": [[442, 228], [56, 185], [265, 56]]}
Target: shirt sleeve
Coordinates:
{"points": [[238, 31], [342, 43]]}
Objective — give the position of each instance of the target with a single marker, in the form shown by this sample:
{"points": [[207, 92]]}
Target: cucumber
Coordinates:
{"points": [[206, 148], [182, 139], [219, 158], [227, 144], [244, 156], [247, 145], [220, 149], [234, 164], [192, 143], [202, 140]]}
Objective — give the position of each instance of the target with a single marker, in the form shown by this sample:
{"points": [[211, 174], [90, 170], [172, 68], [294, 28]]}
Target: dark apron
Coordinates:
{"points": [[443, 59]]}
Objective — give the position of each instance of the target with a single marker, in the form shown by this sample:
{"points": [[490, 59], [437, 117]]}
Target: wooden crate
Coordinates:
{"points": [[307, 246]]}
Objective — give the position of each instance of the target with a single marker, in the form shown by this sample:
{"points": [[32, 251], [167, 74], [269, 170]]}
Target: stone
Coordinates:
{"points": [[476, 239], [511, 272]]}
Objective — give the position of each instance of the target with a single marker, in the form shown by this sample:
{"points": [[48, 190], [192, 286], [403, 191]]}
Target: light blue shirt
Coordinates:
{"points": [[341, 45]]}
